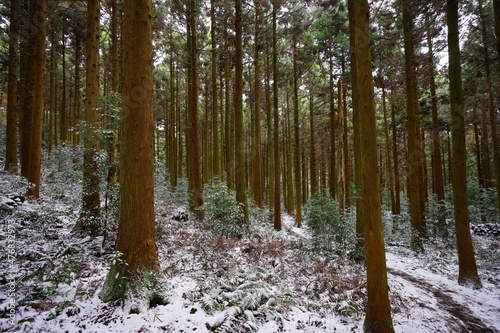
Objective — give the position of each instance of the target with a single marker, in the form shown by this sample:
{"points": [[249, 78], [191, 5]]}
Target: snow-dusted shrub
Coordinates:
{"points": [[224, 215], [329, 230], [483, 206]]}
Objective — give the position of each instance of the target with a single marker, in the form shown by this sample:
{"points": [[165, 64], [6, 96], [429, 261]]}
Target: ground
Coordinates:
{"points": [[264, 282]]}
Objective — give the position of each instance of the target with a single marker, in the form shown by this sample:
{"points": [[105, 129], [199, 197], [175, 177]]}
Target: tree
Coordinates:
{"points": [[238, 114], [467, 274], [12, 112], [378, 315], [33, 112], [414, 136], [195, 174], [136, 230], [90, 213], [277, 187]]}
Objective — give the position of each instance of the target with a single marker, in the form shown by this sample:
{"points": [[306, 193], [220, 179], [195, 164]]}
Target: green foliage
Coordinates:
{"points": [[329, 230], [224, 214], [483, 206]]}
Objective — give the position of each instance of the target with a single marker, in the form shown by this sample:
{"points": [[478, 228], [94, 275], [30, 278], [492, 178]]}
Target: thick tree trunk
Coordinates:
{"points": [[35, 88], [12, 110], [378, 314], [88, 222], [136, 230], [467, 274]]}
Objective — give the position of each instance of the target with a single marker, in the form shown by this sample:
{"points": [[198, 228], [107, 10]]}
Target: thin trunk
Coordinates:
{"points": [[238, 115], [388, 150], [215, 105], [437, 163], [493, 113], [297, 163], [194, 170], [313, 157], [333, 155], [277, 193], [397, 186], [414, 141], [258, 180]]}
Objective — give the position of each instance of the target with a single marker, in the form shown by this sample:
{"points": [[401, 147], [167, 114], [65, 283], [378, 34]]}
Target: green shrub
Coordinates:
{"points": [[329, 230], [224, 214]]}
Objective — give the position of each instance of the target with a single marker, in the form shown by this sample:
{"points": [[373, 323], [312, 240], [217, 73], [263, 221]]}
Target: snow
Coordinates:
{"points": [[269, 282]]}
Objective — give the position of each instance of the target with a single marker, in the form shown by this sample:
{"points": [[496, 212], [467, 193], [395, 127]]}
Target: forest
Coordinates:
{"points": [[249, 166]]}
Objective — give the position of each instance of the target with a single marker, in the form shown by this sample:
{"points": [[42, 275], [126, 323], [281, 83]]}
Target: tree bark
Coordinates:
{"points": [[277, 187], [238, 115], [136, 229], [90, 213], [12, 110], [194, 147], [378, 314], [467, 274], [414, 140], [35, 89]]}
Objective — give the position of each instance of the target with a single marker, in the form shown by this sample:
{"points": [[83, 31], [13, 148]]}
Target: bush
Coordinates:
{"points": [[329, 230], [224, 214]]}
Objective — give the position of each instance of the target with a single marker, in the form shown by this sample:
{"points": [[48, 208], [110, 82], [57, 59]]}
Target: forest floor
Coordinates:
{"points": [[264, 282], [268, 282]]}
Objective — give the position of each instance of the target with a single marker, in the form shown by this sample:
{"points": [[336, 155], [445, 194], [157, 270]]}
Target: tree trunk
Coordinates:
{"points": [[91, 199], [467, 274], [333, 153], [195, 173], [277, 187], [136, 229], [35, 88], [258, 180], [12, 111], [239, 155], [437, 163], [215, 105], [296, 126], [414, 140], [313, 157], [378, 314], [494, 115], [356, 125]]}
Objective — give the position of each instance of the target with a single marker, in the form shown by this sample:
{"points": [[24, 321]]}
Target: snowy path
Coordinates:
{"points": [[444, 306]]}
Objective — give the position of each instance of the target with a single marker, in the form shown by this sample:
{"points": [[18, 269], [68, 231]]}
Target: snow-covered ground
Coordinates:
{"points": [[267, 282]]}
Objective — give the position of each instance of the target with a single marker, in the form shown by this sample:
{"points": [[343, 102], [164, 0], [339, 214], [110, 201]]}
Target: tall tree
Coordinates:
{"points": [[467, 274], [12, 111], [194, 167], [89, 219], [296, 157], [378, 314], [238, 114], [33, 113], [414, 137], [136, 229], [258, 179], [276, 146], [437, 164]]}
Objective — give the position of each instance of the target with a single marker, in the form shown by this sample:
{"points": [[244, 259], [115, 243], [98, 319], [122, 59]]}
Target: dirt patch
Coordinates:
{"points": [[461, 317]]}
